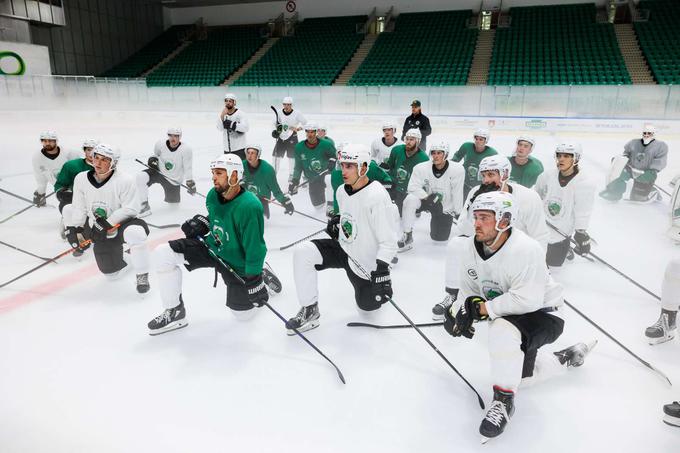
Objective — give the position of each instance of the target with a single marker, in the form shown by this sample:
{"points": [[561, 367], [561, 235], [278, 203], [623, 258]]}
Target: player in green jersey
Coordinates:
{"points": [[472, 153], [259, 177], [64, 183], [316, 159], [525, 168], [400, 165]]}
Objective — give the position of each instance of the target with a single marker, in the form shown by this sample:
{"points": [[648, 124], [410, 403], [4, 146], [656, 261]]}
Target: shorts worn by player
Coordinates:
{"points": [[174, 166]]}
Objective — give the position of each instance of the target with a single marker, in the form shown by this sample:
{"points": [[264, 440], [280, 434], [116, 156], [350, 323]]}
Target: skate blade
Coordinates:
{"points": [[438, 317], [405, 248], [142, 295], [169, 328], [672, 421], [309, 326], [144, 214], [484, 440], [660, 340]]}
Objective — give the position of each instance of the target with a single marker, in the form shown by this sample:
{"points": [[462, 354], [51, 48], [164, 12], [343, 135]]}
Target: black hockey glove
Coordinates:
{"points": [[233, 125], [72, 236], [333, 227], [293, 188], [39, 199], [432, 204], [257, 291], [153, 162], [290, 209], [191, 187], [331, 164], [381, 283], [468, 313], [64, 196], [276, 134], [384, 166], [100, 229], [226, 123], [450, 323], [582, 240], [198, 225]]}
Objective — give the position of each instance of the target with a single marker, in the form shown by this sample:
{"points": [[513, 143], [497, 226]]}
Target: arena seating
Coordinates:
{"points": [[432, 48], [556, 45], [660, 39], [315, 55]]}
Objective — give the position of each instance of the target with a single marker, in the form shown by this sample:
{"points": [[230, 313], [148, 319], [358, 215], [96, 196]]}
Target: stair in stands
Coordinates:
{"points": [[358, 58], [254, 59], [170, 56], [632, 54], [479, 69]]}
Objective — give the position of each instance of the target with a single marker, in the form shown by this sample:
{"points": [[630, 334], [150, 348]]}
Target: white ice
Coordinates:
{"points": [[79, 372]]}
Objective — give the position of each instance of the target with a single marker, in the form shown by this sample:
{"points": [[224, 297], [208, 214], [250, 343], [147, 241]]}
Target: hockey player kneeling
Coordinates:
{"points": [[363, 242], [104, 210], [504, 280], [234, 232]]}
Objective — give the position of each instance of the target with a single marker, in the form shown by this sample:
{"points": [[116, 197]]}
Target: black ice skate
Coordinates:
{"points": [[171, 319], [439, 310], [271, 281], [672, 414], [663, 329], [498, 415], [405, 243], [143, 283], [575, 355], [306, 319]]}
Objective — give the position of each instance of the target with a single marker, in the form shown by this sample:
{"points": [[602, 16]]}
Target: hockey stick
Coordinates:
{"points": [[278, 315], [607, 264], [300, 240], [323, 173], [83, 244], [274, 202], [276, 112], [393, 326], [420, 332], [168, 178], [162, 227], [24, 209], [644, 362], [26, 252], [662, 190], [16, 196]]}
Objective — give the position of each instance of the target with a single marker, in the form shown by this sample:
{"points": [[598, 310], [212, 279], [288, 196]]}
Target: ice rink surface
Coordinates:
{"points": [[79, 372]]}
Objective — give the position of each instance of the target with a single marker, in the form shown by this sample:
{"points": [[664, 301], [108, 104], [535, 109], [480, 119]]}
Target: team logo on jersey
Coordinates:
{"points": [[219, 235], [348, 228], [418, 123], [169, 165], [472, 273], [99, 210], [315, 165], [554, 207], [640, 157], [402, 174], [253, 188], [491, 290], [473, 172]]}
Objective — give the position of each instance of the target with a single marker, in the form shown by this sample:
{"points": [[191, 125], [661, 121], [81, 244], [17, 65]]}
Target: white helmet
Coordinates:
{"points": [[526, 138], [501, 164], [415, 133], [229, 162], [570, 148], [322, 127], [439, 145], [90, 143], [48, 135], [175, 130], [311, 126], [355, 154], [388, 124], [501, 203], [231, 96], [287, 100], [104, 150], [482, 133], [255, 146]]}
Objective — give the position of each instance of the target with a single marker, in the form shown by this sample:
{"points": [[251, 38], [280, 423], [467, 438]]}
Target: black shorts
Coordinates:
{"points": [[109, 253], [317, 191], [196, 256], [171, 190], [538, 329], [398, 198], [65, 197], [285, 147], [265, 207], [239, 152], [334, 257], [557, 253], [440, 227]]}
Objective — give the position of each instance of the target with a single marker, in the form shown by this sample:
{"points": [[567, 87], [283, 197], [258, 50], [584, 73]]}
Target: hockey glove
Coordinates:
{"points": [[381, 283], [290, 209], [275, 134], [191, 187], [384, 166], [72, 236], [293, 188], [450, 323], [468, 313], [100, 229], [197, 226], [153, 163], [648, 176], [331, 164], [582, 240], [233, 125], [39, 199], [333, 227], [257, 291], [226, 123]]}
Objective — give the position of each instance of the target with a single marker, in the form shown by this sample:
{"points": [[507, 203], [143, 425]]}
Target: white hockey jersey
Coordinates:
{"points": [[368, 226], [514, 280], [115, 199], [177, 164], [530, 216], [380, 152], [567, 208], [46, 169], [423, 182], [234, 139], [289, 121]]}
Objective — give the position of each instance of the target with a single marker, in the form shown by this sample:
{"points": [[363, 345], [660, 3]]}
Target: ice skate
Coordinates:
{"points": [[575, 356], [440, 308], [171, 319], [271, 281], [405, 243], [306, 319], [143, 283], [672, 414], [663, 329], [498, 415]]}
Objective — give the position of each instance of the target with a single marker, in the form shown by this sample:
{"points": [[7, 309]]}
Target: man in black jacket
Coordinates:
{"points": [[416, 120]]}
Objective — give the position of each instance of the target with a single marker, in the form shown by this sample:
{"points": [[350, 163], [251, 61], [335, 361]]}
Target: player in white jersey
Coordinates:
{"points": [[665, 327], [381, 148], [504, 281], [47, 164], [435, 187], [234, 125], [104, 209], [288, 123], [568, 195], [363, 242], [171, 163], [494, 171]]}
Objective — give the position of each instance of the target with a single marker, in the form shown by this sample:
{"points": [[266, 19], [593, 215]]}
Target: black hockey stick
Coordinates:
{"points": [[393, 326], [292, 244], [16, 196], [168, 178], [26, 252], [276, 112], [274, 202], [607, 264], [662, 190], [24, 209], [644, 362], [323, 173], [420, 332], [162, 227], [278, 315]]}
